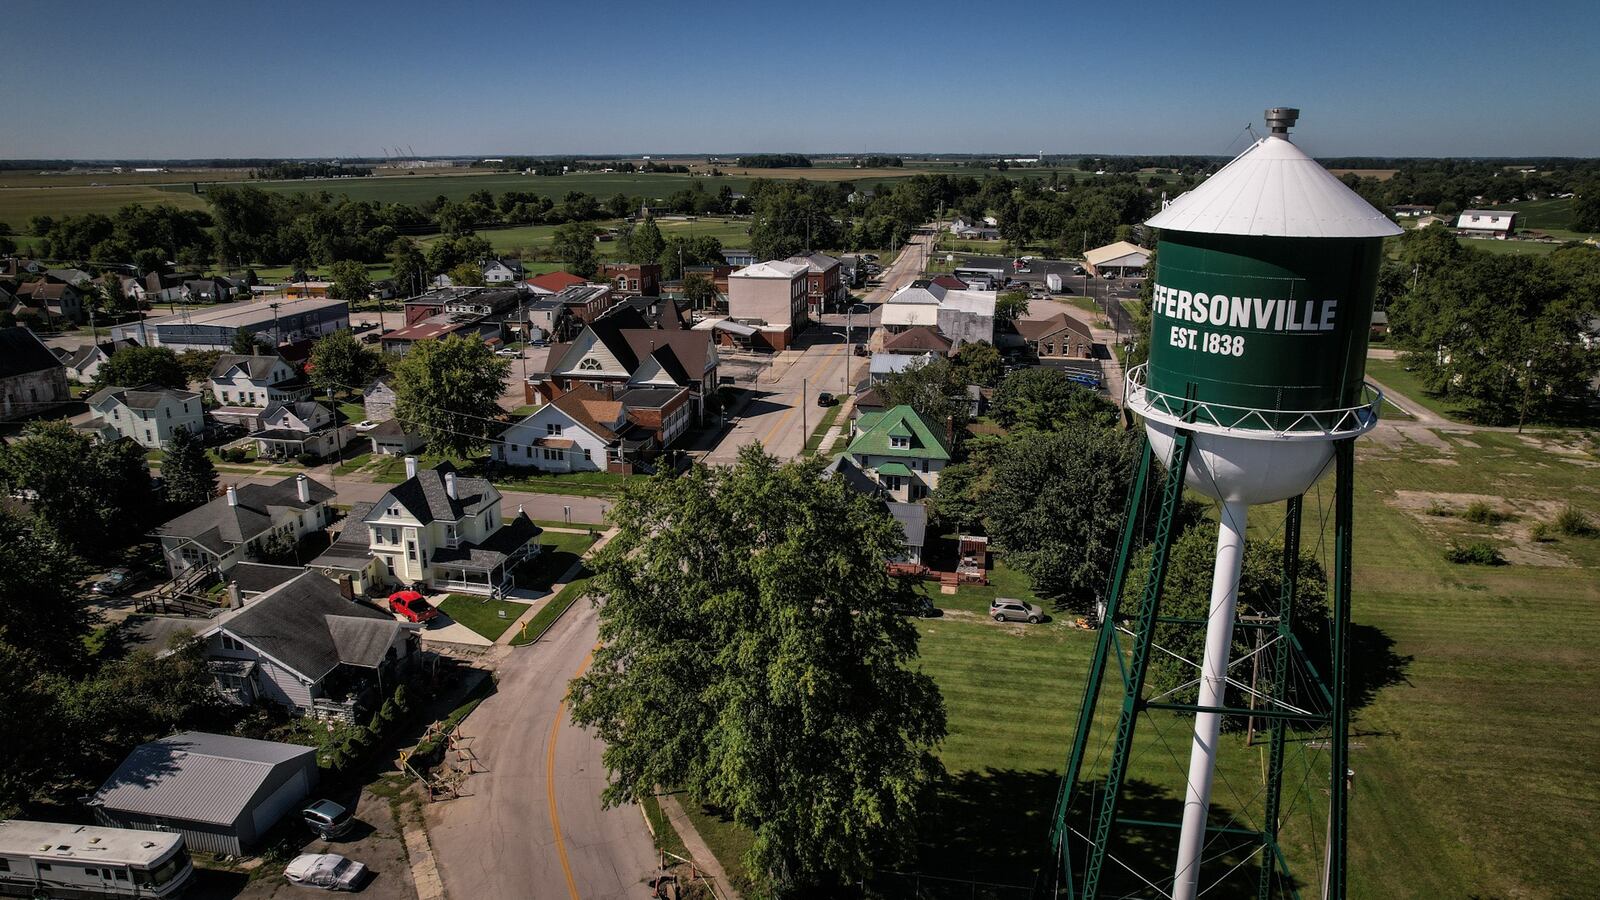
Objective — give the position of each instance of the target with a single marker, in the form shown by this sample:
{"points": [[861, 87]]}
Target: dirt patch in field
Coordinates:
{"points": [[1514, 535], [1427, 437]]}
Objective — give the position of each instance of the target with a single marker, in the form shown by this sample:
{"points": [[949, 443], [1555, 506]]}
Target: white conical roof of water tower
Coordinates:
{"points": [[1274, 189]]}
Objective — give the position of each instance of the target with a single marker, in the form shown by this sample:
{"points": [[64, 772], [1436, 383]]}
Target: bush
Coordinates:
{"points": [[1439, 509], [1482, 513], [1543, 532], [308, 459], [1572, 522], [1477, 553]]}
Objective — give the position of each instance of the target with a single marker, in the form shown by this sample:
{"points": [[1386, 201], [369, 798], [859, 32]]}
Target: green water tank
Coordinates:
{"points": [[1263, 288]]}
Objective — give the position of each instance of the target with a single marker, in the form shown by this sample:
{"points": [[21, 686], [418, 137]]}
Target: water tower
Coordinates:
{"points": [[1263, 292]]}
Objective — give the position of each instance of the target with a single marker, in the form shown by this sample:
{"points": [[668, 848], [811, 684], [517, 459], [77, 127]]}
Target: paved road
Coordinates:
{"points": [[780, 409], [585, 510], [533, 826]]}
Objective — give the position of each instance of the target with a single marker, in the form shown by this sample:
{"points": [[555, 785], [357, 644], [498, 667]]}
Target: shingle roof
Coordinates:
{"points": [[258, 578], [218, 525], [1037, 329], [555, 282], [588, 407], [350, 549], [257, 367], [495, 549], [913, 519], [874, 430], [195, 776], [145, 396], [22, 353], [918, 338], [853, 476], [294, 624], [426, 499]]}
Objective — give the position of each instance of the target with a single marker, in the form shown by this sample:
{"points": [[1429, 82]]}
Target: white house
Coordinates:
{"points": [[444, 530], [244, 523], [83, 364], [244, 386], [573, 433], [303, 427], [963, 316], [1497, 224], [502, 271], [148, 415], [901, 451]]}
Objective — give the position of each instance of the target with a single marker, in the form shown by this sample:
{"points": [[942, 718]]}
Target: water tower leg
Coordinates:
{"points": [[1213, 689], [1339, 727], [1280, 685]]}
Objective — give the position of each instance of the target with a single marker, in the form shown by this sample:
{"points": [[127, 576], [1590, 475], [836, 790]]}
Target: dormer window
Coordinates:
{"points": [[589, 364], [900, 443]]}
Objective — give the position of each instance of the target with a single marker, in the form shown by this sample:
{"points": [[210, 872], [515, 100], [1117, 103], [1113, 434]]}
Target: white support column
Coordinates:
{"points": [[1213, 689]]}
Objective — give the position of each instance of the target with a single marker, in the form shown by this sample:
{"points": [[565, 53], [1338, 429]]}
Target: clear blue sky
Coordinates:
{"points": [[330, 78]]}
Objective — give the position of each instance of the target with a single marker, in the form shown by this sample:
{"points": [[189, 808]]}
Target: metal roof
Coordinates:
{"points": [[115, 846], [1273, 189], [195, 776]]}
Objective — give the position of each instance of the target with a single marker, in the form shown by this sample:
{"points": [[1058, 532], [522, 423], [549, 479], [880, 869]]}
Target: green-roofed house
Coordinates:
{"points": [[900, 450]]}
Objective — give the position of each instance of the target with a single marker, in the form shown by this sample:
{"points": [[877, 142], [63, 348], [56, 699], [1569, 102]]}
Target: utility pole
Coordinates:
{"points": [[805, 433], [338, 444], [277, 336]]}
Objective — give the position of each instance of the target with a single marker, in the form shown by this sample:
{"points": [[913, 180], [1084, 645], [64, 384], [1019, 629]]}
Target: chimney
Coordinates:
{"points": [[233, 496], [411, 467], [234, 599], [450, 484], [302, 486]]}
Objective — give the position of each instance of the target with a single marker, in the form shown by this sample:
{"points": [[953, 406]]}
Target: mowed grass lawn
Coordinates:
{"points": [[558, 551], [1393, 374], [489, 618]]}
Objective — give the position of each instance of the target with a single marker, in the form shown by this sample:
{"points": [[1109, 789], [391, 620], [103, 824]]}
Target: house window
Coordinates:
{"points": [[228, 643], [552, 429], [587, 455], [121, 874], [892, 482], [589, 364], [394, 535], [529, 451], [900, 443], [411, 550]]}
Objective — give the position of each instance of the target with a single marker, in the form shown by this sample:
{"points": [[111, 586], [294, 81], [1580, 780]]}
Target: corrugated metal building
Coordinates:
{"points": [[222, 793]]}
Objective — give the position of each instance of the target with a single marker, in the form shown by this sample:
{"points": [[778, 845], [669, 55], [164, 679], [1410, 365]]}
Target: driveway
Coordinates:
{"points": [[376, 841], [532, 825]]}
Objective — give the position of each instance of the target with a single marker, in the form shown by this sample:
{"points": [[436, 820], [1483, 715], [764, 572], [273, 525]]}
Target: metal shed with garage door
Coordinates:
{"points": [[222, 793]]}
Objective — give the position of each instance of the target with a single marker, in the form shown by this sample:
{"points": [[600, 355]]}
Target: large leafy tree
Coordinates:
{"points": [[409, 266], [92, 495], [37, 567], [339, 363], [448, 389], [936, 389], [1010, 306], [1054, 506], [980, 363], [351, 281], [190, 476], [750, 652], [646, 243], [574, 243], [135, 366], [1045, 399]]}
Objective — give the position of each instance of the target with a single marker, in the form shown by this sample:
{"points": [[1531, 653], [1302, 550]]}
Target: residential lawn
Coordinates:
{"points": [[1471, 742], [666, 836], [352, 463], [482, 614], [814, 443], [558, 551], [155, 456], [578, 484], [1512, 248], [728, 841], [1392, 372], [352, 412], [553, 608]]}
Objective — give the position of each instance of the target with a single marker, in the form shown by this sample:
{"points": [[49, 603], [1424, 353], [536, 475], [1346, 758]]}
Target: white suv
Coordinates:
{"points": [[1003, 609]]}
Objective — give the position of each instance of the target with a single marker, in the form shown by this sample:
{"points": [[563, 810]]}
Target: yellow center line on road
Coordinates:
{"points": [[783, 420], [550, 783]]}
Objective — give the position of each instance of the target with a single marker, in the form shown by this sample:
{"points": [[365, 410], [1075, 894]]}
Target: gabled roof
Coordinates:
{"points": [[913, 519], [853, 476], [257, 578], [1116, 250], [197, 777], [874, 429], [256, 367], [145, 396], [22, 353], [918, 338], [427, 500], [217, 525], [307, 625], [81, 357], [350, 549], [1038, 329], [949, 282], [555, 282], [589, 408], [814, 262]]}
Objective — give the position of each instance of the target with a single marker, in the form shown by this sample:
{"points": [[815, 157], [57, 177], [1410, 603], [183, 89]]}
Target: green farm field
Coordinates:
{"points": [[731, 232], [18, 205]]}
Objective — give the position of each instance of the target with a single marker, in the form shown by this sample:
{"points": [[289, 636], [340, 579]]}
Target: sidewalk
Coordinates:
{"points": [[699, 851], [567, 578]]}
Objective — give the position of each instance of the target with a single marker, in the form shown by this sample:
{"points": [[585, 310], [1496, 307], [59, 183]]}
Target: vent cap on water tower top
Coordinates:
{"points": [[1274, 189]]}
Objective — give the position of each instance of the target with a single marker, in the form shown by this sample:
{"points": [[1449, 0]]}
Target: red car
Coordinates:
{"points": [[411, 605]]}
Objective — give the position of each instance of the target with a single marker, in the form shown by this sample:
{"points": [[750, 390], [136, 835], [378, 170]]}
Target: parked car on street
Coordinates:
{"points": [[507, 351], [1005, 609], [366, 425], [824, 399], [113, 582], [412, 606], [328, 871], [328, 819]]}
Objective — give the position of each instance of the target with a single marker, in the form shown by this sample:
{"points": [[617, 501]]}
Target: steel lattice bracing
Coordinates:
{"points": [[1281, 658]]}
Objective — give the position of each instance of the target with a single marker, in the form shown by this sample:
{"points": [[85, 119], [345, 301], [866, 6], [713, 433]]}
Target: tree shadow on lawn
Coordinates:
{"points": [[1373, 664], [990, 829]]}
